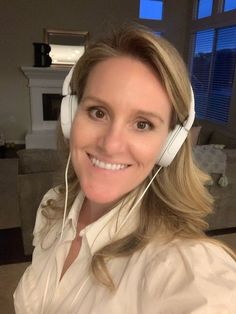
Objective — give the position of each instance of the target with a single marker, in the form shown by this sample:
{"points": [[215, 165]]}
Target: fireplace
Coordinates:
{"points": [[51, 106], [45, 85]]}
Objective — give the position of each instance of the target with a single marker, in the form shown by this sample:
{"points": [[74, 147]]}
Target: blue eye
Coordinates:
{"points": [[144, 125]]}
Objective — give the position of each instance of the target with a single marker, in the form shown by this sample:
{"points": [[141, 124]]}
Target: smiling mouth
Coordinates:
{"points": [[108, 166]]}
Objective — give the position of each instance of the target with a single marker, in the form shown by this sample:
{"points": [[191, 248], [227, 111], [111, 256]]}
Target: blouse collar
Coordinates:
{"points": [[110, 227]]}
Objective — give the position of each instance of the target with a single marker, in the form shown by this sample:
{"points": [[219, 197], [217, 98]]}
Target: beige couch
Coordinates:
{"points": [[38, 173], [225, 197], [224, 216]]}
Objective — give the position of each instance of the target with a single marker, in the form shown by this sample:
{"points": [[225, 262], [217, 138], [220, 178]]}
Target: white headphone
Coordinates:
{"points": [[175, 138]]}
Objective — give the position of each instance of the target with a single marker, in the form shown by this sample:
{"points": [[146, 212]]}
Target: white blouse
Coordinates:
{"points": [[181, 277]]}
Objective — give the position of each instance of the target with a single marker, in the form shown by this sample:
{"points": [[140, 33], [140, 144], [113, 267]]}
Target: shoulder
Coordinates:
{"points": [[196, 253], [41, 220], [199, 274], [51, 194]]}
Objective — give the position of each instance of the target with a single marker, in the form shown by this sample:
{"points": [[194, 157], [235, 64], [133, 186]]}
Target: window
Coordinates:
{"points": [[201, 66], [150, 9], [229, 5], [204, 8], [213, 67]]}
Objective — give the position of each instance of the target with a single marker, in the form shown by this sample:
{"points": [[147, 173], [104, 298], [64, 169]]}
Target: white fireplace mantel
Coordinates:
{"points": [[52, 76], [42, 81]]}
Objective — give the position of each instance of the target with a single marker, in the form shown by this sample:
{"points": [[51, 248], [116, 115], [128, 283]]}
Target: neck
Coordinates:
{"points": [[92, 211]]}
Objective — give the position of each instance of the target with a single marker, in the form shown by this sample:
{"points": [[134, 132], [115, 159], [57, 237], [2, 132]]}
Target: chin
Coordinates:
{"points": [[101, 195]]}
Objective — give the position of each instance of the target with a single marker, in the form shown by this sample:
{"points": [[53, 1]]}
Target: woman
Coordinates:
{"points": [[132, 240]]}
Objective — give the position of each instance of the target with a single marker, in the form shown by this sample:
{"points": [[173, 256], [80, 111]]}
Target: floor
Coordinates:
{"points": [[13, 263], [11, 247], [9, 277]]}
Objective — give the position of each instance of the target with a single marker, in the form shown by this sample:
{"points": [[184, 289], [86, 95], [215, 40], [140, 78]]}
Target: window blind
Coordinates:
{"points": [[213, 68], [222, 75], [201, 67]]}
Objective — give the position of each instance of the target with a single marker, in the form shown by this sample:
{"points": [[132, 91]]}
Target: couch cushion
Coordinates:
{"points": [[38, 160], [223, 137], [9, 215], [194, 134], [225, 198], [31, 189]]}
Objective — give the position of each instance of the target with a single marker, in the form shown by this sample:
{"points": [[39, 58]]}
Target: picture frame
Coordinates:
{"points": [[67, 46]]}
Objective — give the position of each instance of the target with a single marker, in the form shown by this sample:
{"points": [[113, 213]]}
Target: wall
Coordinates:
{"points": [[22, 23]]}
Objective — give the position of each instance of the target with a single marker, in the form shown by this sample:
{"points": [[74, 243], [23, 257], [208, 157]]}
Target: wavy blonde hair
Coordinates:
{"points": [[177, 200]]}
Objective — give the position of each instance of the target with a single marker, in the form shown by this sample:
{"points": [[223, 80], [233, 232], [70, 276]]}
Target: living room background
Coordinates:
{"points": [[23, 23]]}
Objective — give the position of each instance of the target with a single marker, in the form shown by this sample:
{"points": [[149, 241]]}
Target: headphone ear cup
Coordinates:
{"points": [[174, 142], [69, 106]]}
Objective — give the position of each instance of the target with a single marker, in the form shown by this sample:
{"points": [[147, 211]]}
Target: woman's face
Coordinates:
{"points": [[120, 126]]}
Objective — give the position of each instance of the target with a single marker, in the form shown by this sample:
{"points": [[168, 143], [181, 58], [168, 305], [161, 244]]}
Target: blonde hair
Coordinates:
{"points": [[177, 200]]}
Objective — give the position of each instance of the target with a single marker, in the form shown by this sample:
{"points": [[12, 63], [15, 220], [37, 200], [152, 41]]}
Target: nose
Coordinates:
{"points": [[112, 140]]}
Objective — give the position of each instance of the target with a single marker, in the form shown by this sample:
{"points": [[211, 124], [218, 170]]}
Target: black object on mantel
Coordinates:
{"points": [[41, 55]]}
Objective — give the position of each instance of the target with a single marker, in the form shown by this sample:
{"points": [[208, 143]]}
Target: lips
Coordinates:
{"points": [[107, 165]]}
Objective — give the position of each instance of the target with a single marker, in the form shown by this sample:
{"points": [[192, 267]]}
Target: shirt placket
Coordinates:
{"points": [[73, 281]]}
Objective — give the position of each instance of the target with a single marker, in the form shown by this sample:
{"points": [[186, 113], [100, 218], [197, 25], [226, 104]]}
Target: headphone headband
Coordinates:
{"points": [[66, 89], [189, 121], [177, 137]]}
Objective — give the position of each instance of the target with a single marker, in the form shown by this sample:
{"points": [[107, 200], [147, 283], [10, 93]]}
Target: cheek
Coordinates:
{"points": [[76, 143], [150, 152], [150, 158], [78, 134], [73, 141]]}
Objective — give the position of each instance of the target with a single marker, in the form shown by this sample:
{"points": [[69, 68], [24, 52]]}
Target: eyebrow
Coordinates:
{"points": [[138, 112], [150, 115], [102, 102]]}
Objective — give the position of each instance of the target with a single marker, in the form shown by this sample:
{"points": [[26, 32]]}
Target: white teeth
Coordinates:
{"points": [[108, 166]]}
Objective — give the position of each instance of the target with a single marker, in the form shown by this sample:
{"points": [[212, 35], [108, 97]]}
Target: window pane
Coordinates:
{"points": [[204, 8], [213, 69], [201, 66], [223, 75], [229, 5], [150, 9]]}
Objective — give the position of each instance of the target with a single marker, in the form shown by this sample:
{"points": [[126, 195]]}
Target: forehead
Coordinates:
{"points": [[129, 82], [117, 62], [122, 69]]}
